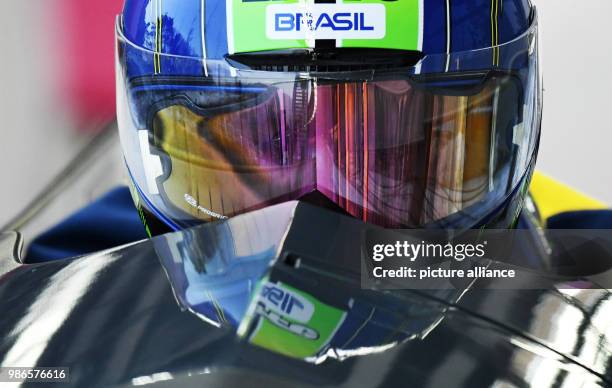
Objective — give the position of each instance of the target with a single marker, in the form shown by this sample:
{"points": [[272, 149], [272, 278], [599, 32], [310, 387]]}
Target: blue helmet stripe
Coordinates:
{"points": [[216, 28], [512, 19], [434, 35], [474, 19]]}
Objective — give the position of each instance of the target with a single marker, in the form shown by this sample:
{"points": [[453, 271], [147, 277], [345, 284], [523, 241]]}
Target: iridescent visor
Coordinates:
{"points": [[397, 153]]}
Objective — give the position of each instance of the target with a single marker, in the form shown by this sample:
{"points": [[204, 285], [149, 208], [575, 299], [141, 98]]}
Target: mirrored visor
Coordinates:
{"points": [[391, 152]]}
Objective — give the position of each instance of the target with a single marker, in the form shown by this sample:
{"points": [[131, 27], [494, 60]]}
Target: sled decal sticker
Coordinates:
{"points": [[292, 322]]}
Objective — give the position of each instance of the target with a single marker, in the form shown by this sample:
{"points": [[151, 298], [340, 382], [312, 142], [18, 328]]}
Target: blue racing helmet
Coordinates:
{"points": [[401, 113]]}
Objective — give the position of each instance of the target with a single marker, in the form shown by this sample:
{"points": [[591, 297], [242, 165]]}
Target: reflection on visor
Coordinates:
{"points": [[401, 157], [237, 158], [387, 152]]}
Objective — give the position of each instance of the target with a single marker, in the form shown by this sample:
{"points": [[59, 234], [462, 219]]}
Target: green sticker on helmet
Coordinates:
{"points": [[261, 25]]}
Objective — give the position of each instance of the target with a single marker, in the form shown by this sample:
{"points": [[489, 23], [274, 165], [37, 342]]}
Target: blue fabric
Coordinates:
{"points": [[110, 221], [586, 219]]}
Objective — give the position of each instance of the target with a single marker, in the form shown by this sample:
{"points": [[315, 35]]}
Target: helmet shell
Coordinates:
{"points": [[212, 29]]}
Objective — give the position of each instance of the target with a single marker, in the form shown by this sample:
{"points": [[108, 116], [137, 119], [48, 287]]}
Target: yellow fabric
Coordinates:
{"points": [[552, 197]]}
